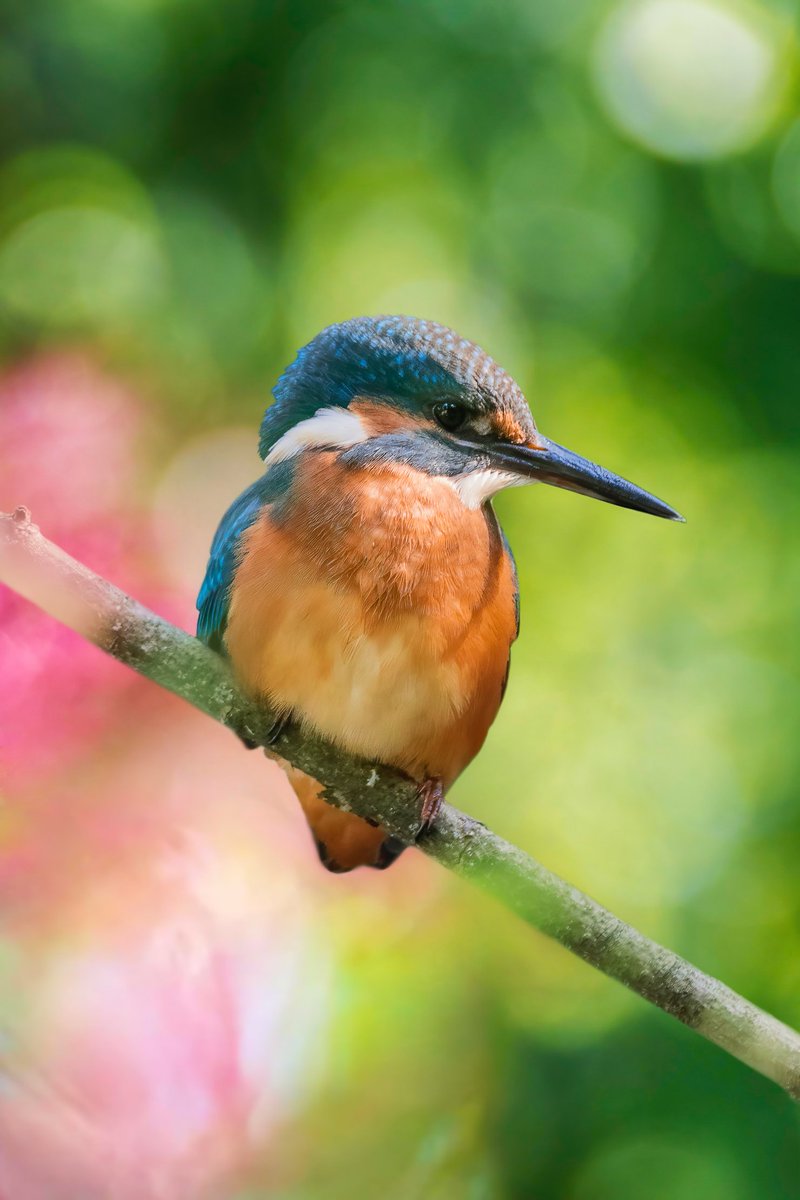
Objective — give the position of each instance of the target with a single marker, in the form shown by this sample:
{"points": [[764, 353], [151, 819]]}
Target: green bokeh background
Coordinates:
{"points": [[193, 189]]}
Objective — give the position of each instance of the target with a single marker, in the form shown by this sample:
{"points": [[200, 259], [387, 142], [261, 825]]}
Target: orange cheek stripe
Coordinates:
{"points": [[378, 418], [508, 427]]}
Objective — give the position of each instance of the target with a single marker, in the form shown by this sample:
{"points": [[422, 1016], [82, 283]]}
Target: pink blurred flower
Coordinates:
{"points": [[164, 992], [68, 441], [68, 450], [174, 987]]}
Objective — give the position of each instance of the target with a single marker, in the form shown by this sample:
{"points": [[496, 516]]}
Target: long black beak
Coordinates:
{"points": [[547, 462]]}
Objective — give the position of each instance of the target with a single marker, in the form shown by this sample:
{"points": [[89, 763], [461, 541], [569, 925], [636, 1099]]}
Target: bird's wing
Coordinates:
{"points": [[513, 565], [214, 597], [212, 602]]}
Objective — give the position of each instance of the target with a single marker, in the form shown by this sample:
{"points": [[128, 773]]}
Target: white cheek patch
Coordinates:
{"points": [[335, 428], [479, 486], [481, 425]]}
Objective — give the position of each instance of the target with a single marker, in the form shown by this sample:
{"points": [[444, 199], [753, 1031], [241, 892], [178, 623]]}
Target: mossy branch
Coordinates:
{"points": [[74, 595]]}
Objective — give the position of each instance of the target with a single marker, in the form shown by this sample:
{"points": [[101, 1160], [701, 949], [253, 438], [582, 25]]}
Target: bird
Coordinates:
{"points": [[362, 586]]}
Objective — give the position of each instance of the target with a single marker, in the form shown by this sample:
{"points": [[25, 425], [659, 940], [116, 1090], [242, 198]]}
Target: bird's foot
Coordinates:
{"points": [[278, 726], [273, 733], [431, 793]]}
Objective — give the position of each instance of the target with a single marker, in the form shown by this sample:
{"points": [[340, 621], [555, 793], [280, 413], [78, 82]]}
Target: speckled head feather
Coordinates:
{"points": [[408, 362]]}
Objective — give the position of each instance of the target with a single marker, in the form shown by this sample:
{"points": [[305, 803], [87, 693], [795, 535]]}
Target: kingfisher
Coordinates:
{"points": [[362, 586]]}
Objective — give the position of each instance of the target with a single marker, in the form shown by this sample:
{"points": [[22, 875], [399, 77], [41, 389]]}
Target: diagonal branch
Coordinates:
{"points": [[73, 594]]}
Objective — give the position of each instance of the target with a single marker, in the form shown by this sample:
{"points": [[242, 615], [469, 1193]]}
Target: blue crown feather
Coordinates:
{"points": [[401, 358]]}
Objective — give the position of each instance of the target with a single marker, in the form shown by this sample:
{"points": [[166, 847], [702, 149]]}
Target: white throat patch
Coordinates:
{"points": [[479, 486], [332, 427]]}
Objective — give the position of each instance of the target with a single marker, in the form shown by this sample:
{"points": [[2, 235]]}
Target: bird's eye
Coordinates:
{"points": [[449, 414]]}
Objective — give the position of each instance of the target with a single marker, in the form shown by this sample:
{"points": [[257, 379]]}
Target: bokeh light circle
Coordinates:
{"points": [[79, 243], [691, 79], [786, 179], [673, 1171]]}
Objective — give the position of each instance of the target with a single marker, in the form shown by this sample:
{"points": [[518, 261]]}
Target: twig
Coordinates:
{"points": [[65, 589]]}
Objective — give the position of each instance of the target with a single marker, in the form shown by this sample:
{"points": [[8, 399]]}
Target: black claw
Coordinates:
{"points": [[277, 727], [270, 737]]}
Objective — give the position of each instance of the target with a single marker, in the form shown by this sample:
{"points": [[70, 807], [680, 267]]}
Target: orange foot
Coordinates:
{"points": [[431, 793]]}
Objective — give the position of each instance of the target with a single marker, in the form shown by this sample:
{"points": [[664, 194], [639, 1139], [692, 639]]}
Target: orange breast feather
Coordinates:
{"points": [[380, 611]]}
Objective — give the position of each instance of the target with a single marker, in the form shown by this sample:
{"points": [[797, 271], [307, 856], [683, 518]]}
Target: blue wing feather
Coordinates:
{"points": [[513, 564], [214, 597]]}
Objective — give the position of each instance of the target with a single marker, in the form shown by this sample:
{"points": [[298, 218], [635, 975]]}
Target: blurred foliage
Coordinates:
{"points": [[607, 197]]}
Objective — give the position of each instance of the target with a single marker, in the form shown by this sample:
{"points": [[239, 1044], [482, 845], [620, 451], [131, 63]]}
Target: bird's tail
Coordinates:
{"points": [[344, 841]]}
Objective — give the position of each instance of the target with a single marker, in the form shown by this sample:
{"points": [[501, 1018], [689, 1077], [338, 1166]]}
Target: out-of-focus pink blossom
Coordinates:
{"points": [[175, 993], [164, 992], [69, 436], [68, 450]]}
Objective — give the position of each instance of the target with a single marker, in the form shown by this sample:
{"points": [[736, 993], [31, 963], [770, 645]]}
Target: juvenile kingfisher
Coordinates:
{"points": [[363, 586]]}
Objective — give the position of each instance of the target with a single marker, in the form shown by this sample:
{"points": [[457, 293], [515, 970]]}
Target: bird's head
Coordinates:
{"points": [[399, 390]]}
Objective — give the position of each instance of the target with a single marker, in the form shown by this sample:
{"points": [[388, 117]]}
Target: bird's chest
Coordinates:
{"points": [[377, 608]]}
